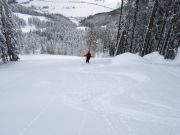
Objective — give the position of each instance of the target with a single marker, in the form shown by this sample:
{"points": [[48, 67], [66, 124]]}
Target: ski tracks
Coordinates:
{"points": [[93, 100]]}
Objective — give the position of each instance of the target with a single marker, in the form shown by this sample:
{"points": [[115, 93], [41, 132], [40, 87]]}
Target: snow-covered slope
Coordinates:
{"points": [[60, 95], [25, 17], [72, 8]]}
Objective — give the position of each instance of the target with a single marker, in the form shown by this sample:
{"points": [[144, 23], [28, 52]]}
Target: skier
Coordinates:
{"points": [[88, 56]]}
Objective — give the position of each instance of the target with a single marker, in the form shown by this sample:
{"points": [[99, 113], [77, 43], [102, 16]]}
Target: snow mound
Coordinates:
{"points": [[128, 58], [152, 58], [156, 58]]}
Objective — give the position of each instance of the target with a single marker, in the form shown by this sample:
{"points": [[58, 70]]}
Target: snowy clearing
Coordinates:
{"points": [[26, 17], [28, 27], [60, 95]]}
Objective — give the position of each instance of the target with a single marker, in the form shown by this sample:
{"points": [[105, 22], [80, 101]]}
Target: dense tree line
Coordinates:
{"points": [[139, 26], [52, 36], [146, 26], [8, 34]]}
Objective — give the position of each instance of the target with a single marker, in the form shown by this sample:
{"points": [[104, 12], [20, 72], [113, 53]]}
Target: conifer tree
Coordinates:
{"points": [[9, 31]]}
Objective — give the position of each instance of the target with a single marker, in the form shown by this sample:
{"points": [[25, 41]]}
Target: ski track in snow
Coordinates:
{"points": [[54, 95]]}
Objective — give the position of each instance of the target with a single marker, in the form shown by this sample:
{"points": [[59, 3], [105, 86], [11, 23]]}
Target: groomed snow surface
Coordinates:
{"points": [[61, 95]]}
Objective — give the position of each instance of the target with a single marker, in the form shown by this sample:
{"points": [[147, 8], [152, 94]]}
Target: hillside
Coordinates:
{"points": [[47, 33], [72, 8], [101, 19]]}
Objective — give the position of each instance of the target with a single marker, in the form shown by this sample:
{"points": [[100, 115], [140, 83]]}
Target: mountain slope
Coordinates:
{"points": [[72, 8], [47, 33], [101, 19]]}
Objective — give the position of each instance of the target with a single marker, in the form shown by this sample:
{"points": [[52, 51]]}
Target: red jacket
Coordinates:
{"points": [[88, 55]]}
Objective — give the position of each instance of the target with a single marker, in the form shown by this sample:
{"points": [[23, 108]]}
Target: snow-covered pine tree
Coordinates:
{"points": [[3, 47], [3, 50], [9, 31]]}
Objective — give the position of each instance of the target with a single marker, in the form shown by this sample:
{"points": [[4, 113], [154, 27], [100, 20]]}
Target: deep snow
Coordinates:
{"points": [[61, 95]]}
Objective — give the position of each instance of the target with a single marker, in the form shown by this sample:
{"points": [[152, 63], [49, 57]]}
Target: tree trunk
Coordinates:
{"points": [[166, 43], [120, 49], [134, 25], [146, 43], [162, 31], [119, 27]]}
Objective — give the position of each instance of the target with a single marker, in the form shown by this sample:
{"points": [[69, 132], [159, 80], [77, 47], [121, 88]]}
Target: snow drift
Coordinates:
{"points": [[153, 58]]}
